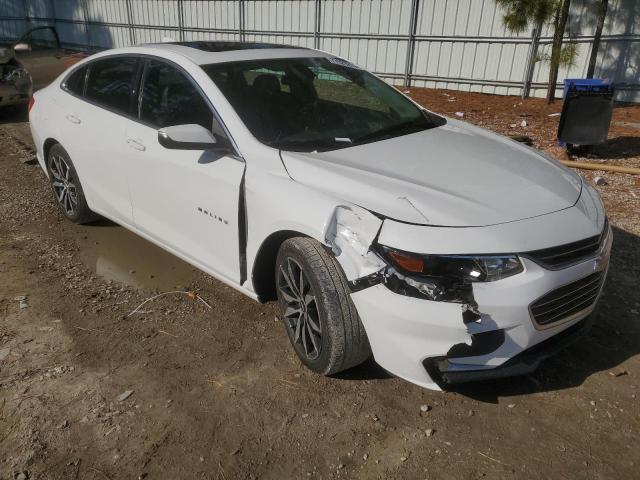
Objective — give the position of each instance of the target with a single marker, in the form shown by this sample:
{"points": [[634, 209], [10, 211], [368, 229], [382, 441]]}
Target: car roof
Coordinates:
{"points": [[207, 52]]}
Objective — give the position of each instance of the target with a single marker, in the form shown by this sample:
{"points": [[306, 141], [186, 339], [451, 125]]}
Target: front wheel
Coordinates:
{"points": [[66, 186], [321, 321]]}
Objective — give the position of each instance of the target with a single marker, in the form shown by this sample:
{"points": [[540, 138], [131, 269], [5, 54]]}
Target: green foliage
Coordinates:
{"points": [[567, 57], [520, 14]]}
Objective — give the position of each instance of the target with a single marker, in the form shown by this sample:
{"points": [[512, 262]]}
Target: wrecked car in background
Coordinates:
{"points": [[31, 63], [448, 252]]}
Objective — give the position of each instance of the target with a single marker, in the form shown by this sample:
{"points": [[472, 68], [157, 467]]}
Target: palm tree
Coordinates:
{"points": [[519, 14]]}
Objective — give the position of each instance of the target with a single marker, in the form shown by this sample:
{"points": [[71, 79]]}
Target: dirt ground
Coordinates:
{"points": [[216, 393]]}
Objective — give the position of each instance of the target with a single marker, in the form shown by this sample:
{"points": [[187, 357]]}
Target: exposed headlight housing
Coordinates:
{"points": [[11, 73], [16, 76], [444, 277]]}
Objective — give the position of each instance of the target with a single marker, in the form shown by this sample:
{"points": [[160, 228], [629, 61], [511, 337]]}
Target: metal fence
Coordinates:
{"points": [[455, 44]]}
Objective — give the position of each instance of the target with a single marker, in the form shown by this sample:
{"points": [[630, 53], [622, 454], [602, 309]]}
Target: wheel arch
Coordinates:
{"points": [[264, 266], [46, 147], [347, 234]]}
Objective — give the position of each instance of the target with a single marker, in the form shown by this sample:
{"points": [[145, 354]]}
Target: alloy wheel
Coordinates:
{"points": [[301, 312], [64, 185]]}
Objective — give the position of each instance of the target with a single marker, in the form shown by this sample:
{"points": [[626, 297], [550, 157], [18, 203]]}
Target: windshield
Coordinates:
{"points": [[308, 104]]}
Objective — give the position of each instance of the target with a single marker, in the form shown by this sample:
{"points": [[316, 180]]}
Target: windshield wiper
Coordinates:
{"points": [[420, 123], [308, 144]]}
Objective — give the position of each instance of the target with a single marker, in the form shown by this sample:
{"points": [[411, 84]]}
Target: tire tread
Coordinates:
{"points": [[351, 346]]}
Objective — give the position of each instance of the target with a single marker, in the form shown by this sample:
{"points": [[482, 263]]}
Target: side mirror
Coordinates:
{"points": [[186, 137], [22, 47]]}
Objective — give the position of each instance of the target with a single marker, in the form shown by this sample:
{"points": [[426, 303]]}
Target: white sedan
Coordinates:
{"points": [[447, 252]]}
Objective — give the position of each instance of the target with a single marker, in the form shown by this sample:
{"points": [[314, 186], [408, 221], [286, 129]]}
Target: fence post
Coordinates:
{"points": [[87, 34], [242, 19], [52, 4], [316, 26], [411, 42], [132, 32], [181, 20], [27, 18], [531, 60]]}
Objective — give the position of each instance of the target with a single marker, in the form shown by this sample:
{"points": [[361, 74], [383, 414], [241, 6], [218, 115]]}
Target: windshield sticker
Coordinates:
{"points": [[341, 62]]}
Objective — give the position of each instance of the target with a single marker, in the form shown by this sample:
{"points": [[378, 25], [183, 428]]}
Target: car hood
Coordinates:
{"points": [[453, 175]]}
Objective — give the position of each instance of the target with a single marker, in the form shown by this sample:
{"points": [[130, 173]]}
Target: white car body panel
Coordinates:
{"points": [[202, 225], [583, 220], [102, 131], [455, 189], [453, 175]]}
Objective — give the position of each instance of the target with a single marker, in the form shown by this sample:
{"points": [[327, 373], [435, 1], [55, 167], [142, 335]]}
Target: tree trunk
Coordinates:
{"points": [[560, 22], [602, 13]]}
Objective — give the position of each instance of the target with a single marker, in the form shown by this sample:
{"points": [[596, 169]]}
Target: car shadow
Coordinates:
{"points": [[14, 114], [103, 222], [614, 337], [368, 370], [618, 147]]}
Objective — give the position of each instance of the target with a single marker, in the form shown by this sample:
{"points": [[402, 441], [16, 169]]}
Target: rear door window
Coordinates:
{"points": [[110, 83], [169, 98]]}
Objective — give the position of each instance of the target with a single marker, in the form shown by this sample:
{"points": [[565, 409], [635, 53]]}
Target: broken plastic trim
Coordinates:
{"points": [[482, 343], [350, 232], [366, 281], [524, 363]]}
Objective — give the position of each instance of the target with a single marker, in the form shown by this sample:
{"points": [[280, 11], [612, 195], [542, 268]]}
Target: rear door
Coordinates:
{"points": [[187, 200], [94, 119]]}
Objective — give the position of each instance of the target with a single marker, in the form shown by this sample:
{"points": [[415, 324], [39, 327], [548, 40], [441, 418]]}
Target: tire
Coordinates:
{"points": [[66, 187], [330, 318]]}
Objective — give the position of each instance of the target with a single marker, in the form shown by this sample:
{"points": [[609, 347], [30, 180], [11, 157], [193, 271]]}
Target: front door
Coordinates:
{"points": [[186, 200]]}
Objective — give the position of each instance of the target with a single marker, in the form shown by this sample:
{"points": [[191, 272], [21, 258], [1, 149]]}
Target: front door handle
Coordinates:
{"points": [[72, 118], [135, 144]]}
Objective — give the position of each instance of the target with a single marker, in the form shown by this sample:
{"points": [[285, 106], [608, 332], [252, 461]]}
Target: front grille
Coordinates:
{"points": [[555, 258], [567, 300]]}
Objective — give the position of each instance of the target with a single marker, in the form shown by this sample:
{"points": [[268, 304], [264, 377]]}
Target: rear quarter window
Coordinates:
{"points": [[110, 82], [75, 82]]}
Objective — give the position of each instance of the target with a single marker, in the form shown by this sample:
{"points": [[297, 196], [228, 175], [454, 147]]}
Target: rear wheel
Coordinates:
{"points": [[321, 321], [66, 186]]}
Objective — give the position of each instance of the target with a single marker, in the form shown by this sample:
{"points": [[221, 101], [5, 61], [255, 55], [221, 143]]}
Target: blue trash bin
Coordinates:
{"points": [[586, 113]]}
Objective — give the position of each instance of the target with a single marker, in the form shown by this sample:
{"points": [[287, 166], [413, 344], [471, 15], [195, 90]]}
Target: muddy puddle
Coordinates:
{"points": [[115, 253]]}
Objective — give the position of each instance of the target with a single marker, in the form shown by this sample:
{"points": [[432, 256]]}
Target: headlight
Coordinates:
{"points": [[444, 277]]}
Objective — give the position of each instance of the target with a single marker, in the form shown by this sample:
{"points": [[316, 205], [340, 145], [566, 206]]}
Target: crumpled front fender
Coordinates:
{"points": [[350, 232]]}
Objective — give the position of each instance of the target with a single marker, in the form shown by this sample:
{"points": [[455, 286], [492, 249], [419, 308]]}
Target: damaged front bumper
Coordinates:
{"points": [[523, 363], [428, 342], [434, 343]]}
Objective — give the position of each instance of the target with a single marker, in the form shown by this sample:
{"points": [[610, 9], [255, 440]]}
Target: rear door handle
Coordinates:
{"points": [[135, 144], [72, 118]]}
